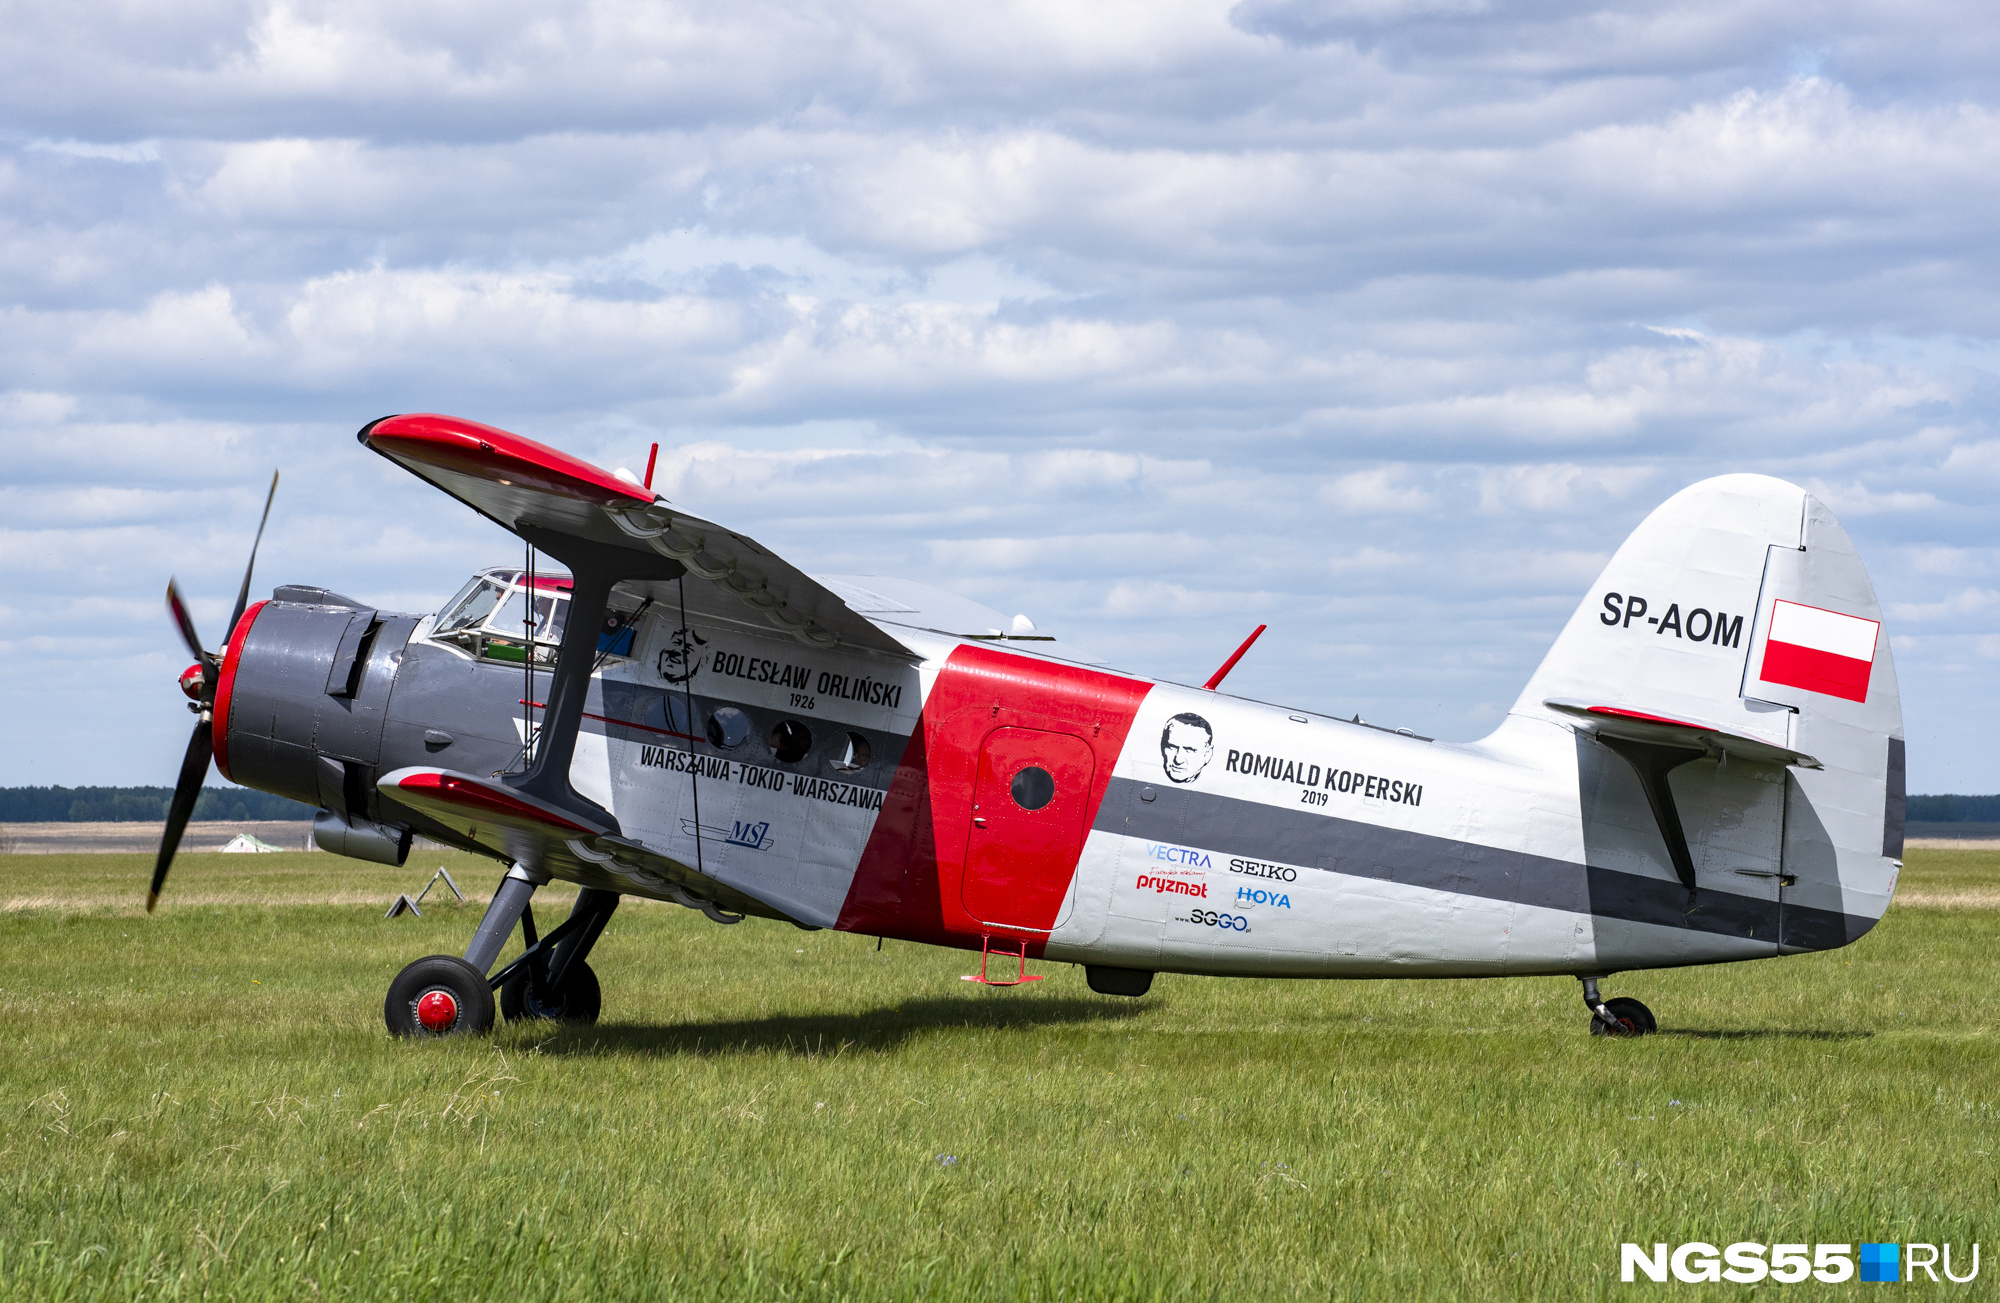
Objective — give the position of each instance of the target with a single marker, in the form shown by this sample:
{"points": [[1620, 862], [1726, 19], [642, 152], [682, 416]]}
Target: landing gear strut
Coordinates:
{"points": [[444, 995], [1623, 1016]]}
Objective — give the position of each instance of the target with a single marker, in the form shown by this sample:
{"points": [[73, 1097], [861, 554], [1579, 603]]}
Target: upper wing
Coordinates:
{"points": [[517, 482]]}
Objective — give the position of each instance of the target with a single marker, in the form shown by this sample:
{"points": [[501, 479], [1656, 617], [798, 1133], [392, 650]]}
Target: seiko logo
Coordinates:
{"points": [[1259, 869]]}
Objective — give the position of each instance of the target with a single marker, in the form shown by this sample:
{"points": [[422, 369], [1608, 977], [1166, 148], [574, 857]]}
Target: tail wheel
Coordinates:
{"points": [[578, 1001], [1635, 1018], [440, 995]]}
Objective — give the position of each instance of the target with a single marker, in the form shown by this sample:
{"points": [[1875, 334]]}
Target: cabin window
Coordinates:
{"points": [[790, 741], [728, 727], [854, 754], [1033, 788]]}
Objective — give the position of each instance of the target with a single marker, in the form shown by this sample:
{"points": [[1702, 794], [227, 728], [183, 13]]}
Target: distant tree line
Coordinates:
{"points": [[140, 805], [1954, 809]]}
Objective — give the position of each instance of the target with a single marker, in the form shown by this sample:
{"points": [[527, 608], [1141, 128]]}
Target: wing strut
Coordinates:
{"points": [[594, 568]]}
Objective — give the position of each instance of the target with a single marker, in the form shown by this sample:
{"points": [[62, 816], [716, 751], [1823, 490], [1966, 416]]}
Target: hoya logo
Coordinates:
{"points": [[1788, 1264], [1259, 896], [1177, 855], [1173, 886]]}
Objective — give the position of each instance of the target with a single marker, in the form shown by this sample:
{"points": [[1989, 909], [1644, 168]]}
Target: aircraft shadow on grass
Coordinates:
{"points": [[814, 1035], [1765, 1033]]}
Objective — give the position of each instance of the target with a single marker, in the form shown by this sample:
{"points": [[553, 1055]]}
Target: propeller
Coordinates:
{"points": [[194, 766]]}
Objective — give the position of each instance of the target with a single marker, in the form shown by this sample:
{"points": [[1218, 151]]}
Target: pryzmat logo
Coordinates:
{"points": [[1745, 1263]]}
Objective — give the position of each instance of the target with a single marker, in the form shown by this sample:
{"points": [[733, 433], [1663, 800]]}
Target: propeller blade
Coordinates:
{"points": [[178, 609], [243, 593], [186, 792]]}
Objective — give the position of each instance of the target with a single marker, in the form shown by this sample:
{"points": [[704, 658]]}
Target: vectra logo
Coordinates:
{"points": [[1788, 1264]]}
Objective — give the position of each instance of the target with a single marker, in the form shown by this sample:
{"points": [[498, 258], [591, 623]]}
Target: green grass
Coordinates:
{"points": [[204, 1103]]}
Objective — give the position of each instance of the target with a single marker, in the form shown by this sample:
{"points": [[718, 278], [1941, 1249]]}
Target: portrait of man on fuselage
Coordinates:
{"points": [[1186, 744]]}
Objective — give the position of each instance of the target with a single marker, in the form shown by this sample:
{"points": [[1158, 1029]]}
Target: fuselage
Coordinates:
{"points": [[987, 790]]}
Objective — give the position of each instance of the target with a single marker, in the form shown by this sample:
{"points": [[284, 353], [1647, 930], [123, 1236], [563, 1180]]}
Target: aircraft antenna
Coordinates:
{"points": [[651, 457], [1215, 679], [687, 695]]}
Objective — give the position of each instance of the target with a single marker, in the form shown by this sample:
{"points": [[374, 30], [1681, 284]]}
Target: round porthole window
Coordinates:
{"points": [[790, 741], [1033, 788], [728, 727], [854, 754]]}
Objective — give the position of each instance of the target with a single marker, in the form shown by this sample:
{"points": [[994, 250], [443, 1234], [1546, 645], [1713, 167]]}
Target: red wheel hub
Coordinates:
{"points": [[437, 1011]]}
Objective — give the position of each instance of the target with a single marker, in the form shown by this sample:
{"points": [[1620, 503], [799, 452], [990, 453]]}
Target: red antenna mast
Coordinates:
{"points": [[1216, 678]]}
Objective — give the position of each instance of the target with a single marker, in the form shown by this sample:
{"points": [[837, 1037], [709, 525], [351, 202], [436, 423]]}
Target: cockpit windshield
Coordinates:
{"points": [[489, 618], [472, 605]]}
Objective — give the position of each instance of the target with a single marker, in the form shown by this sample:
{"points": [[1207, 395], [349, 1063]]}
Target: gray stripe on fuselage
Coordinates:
{"points": [[1250, 830]]}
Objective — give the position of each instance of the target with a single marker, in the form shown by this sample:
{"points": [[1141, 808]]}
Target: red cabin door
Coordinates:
{"points": [[1028, 806]]}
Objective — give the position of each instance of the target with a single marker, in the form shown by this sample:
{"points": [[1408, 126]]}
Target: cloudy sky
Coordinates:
{"points": [[1380, 321]]}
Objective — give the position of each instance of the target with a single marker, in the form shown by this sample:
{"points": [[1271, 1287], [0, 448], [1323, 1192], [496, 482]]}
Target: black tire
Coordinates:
{"points": [[577, 1003], [1635, 1018], [464, 1005]]}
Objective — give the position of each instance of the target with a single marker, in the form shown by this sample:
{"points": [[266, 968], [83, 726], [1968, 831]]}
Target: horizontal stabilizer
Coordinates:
{"points": [[1638, 726]]}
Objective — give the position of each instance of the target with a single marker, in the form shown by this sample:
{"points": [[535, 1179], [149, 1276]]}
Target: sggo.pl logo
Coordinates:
{"points": [[1746, 1263]]}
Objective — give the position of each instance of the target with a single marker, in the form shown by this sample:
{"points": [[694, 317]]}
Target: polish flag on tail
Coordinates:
{"points": [[1820, 650]]}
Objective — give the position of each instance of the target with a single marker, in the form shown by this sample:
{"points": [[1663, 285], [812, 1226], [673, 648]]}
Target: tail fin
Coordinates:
{"points": [[1738, 622]]}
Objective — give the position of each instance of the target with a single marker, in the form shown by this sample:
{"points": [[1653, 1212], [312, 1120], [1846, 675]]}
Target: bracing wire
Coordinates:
{"points": [[687, 697], [528, 662]]}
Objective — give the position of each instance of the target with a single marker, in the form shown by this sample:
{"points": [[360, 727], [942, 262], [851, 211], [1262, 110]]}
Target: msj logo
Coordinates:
{"points": [[1788, 1264]]}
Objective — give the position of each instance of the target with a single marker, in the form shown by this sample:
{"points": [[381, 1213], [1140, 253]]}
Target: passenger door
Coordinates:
{"points": [[1029, 800]]}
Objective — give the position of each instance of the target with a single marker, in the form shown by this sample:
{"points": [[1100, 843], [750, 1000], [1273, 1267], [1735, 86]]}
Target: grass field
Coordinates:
{"points": [[204, 1104]]}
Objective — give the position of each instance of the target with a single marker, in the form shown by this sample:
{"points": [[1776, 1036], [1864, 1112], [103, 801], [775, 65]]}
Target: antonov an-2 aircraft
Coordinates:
{"points": [[1707, 767]]}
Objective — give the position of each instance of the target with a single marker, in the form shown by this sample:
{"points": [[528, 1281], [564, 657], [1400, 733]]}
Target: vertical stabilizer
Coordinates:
{"points": [[1732, 660]]}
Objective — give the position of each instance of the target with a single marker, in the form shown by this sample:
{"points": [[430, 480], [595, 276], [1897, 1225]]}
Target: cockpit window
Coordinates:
{"points": [[489, 618], [472, 605], [513, 615]]}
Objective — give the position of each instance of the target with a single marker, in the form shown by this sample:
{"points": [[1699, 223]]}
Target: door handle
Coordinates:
{"points": [[979, 823]]}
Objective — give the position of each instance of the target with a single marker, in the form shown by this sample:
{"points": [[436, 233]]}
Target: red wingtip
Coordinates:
{"points": [[487, 452]]}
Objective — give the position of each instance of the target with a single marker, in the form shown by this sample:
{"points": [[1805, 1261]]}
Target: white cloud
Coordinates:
{"points": [[1556, 487], [1374, 491], [1367, 317]]}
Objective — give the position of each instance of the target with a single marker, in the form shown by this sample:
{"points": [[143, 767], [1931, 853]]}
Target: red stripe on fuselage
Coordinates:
{"points": [[908, 882], [225, 684]]}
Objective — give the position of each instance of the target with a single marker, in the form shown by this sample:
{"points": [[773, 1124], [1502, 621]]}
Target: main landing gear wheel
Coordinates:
{"points": [[1621, 1017], [1633, 1019], [440, 995], [577, 1002]]}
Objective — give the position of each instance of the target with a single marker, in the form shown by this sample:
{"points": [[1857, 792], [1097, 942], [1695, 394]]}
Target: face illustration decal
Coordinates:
{"points": [[1186, 744], [680, 658]]}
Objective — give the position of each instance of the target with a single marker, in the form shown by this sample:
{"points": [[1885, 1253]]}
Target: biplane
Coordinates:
{"points": [[1706, 767]]}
